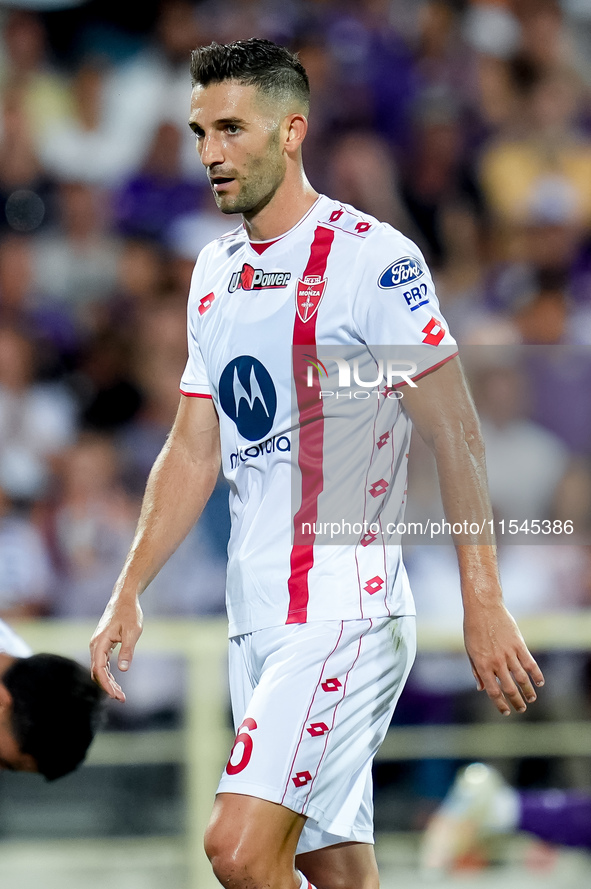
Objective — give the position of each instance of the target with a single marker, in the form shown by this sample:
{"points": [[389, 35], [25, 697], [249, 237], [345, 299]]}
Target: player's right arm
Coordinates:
{"points": [[178, 488]]}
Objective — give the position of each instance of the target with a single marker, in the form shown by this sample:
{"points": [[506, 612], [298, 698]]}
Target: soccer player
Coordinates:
{"points": [[49, 709], [480, 805], [321, 637]]}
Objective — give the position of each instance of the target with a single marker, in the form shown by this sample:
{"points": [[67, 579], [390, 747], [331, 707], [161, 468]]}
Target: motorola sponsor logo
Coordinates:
{"points": [[248, 397], [271, 445]]}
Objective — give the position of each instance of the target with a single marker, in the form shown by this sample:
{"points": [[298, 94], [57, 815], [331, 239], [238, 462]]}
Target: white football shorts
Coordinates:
{"points": [[312, 704]]}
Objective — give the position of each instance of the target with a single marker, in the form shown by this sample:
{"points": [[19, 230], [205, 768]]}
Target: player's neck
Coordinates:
{"points": [[289, 204]]}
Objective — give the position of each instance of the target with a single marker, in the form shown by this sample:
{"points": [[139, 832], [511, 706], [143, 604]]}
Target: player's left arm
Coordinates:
{"points": [[443, 413]]}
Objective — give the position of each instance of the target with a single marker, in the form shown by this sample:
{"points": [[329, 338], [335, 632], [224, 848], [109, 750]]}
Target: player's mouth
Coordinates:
{"points": [[219, 183]]}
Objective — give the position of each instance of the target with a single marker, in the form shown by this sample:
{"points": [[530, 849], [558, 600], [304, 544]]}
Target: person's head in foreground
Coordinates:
{"points": [[50, 710], [249, 109]]}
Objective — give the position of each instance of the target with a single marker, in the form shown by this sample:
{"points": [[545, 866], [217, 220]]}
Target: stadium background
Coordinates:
{"points": [[468, 126]]}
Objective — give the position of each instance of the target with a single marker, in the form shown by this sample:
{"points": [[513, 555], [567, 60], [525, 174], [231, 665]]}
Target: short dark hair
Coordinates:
{"points": [[56, 710], [257, 62]]}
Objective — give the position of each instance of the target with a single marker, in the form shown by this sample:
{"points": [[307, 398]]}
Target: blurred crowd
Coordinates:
{"points": [[465, 124]]}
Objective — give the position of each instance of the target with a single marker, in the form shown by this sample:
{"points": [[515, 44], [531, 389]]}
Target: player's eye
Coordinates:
{"points": [[232, 129]]}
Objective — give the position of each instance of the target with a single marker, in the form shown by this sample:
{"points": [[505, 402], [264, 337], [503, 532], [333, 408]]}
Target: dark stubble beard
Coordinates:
{"points": [[263, 177]]}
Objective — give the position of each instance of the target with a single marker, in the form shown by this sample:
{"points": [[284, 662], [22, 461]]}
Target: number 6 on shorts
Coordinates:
{"points": [[242, 738]]}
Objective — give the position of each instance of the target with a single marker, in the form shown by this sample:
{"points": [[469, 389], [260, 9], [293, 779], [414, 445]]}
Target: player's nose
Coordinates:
{"points": [[210, 151]]}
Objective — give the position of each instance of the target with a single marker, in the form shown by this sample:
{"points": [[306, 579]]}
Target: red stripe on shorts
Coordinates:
{"points": [[311, 440], [334, 712], [313, 698]]}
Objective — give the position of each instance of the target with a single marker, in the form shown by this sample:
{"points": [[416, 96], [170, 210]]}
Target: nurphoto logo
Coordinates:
{"points": [[391, 372]]}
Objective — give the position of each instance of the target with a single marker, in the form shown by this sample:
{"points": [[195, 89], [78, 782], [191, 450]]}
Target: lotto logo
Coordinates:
{"points": [[368, 538], [383, 439], [378, 488], [317, 728], [331, 685], [374, 585], [205, 302], [434, 332], [359, 228], [301, 779]]}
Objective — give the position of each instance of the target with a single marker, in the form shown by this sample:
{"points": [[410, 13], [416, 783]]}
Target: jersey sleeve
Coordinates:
{"points": [[194, 381], [395, 306]]}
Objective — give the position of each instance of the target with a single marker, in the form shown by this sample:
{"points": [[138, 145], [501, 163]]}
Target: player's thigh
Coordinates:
{"points": [[250, 833], [344, 866]]}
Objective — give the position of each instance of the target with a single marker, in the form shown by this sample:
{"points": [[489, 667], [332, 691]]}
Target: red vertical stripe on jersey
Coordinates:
{"points": [[311, 439]]}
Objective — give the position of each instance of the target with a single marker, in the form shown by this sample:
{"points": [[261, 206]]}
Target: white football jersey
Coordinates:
{"points": [[286, 337], [12, 644]]}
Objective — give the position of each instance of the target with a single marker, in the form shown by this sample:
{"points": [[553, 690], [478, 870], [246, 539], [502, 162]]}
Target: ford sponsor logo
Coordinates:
{"points": [[403, 271]]}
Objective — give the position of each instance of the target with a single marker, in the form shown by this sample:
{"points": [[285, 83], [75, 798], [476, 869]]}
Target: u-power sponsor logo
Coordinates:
{"points": [[403, 271], [249, 278]]}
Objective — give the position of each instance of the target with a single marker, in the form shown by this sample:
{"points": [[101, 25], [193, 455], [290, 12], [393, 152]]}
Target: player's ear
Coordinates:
{"points": [[296, 127]]}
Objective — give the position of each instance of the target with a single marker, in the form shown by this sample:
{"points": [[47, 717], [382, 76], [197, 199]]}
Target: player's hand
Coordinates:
{"points": [[500, 659], [121, 623]]}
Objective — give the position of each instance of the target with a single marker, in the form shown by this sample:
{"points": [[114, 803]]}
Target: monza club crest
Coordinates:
{"points": [[309, 292]]}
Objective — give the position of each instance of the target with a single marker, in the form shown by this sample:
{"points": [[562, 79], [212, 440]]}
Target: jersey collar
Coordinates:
{"points": [[259, 247]]}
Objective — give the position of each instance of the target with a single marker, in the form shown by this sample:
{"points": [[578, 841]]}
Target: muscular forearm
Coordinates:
{"points": [[461, 468], [459, 453], [442, 411], [179, 485]]}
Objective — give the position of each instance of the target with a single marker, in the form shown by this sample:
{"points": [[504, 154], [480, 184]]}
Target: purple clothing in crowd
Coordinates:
{"points": [[556, 816]]}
